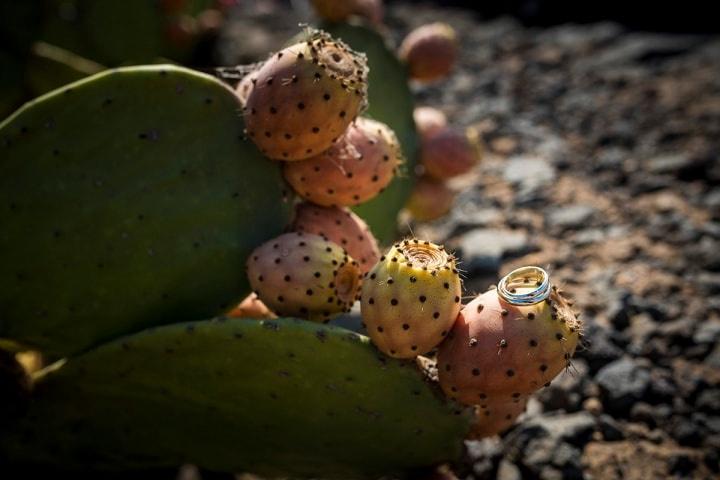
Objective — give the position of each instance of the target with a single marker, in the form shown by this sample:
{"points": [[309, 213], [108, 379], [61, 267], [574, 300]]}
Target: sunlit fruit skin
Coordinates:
{"points": [[251, 307], [354, 170], [430, 51], [342, 226], [410, 298], [499, 350], [428, 121], [303, 275], [447, 153], [430, 199], [304, 97]]}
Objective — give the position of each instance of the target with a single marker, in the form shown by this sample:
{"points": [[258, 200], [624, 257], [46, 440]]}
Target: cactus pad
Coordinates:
{"points": [[278, 397], [128, 199]]}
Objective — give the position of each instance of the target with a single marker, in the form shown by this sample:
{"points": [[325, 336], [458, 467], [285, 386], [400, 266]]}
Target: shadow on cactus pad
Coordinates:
{"points": [[128, 199], [278, 397]]}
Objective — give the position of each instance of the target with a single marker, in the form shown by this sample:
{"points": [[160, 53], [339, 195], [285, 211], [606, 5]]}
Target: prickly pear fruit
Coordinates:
{"points": [[448, 153], [410, 299], [495, 416], [355, 169], [245, 86], [334, 11], [428, 121], [430, 199], [251, 307], [303, 275], [430, 51], [500, 350], [305, 96], [342, 226]]}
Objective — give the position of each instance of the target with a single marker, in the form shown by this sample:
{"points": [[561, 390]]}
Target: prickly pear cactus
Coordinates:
{"points": [[390, 102], [276, 397], [503, 351], [304, 275], [128, 199], [410, 298], [355, 169]]}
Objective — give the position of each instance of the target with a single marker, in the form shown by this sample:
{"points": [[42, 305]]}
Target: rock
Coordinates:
{"points": [[600, 349], [565, 392], [484, 455], [622, 382], [529, 173], [571, 217], [709, 401], [610, 429], [508, 471], [484, 249]]}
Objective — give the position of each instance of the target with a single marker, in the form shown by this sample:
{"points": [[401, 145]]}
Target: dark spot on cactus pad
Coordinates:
{"points": [[457, 299], [503, 312], [405, 326], [413, 279], [543, 367], [306, 258], [476, 372], [472, 342], [503, 343], [371, 301], [510, 372], [315, 129], [380, 329], [531, 316], [559, 336], [436, 315], [280, 298], [482, 396], [413, 347], [190, 329], [393, 302]]}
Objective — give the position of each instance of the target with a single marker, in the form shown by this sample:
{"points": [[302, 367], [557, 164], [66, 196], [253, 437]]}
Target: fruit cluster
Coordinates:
{"points": [[304, 107]]}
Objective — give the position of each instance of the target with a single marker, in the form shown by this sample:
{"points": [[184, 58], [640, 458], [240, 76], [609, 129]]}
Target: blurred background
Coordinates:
{"points": [[601, 128]]}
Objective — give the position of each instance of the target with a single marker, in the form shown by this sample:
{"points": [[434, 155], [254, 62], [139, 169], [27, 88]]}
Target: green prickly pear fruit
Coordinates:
{"points": [[410, 299], [342, 226], [304, 275], [430, 51], [428, 121], [500, 350], [430, 199], [494, 416], [447, 153], [354, 170], [251, 307], [334, 11], [305, 96]]}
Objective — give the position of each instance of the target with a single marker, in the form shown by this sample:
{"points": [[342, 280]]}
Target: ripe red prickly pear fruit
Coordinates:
{"points": [[303, 275], [430, 51], [500, 349], [340, 11], [304, 98], [495, 416], [447, 154], [251, 307], [355, 169], [430, 199], [411, 298], [342, 226], [429, 121]]}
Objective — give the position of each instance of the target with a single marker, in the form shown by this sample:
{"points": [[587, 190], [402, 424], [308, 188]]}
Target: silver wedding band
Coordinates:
{"points": [[520, 280]]}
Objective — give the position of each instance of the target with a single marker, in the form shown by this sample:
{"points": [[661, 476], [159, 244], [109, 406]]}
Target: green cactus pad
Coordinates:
{"points": [[128, 199], [279, 397], [391, 102]]}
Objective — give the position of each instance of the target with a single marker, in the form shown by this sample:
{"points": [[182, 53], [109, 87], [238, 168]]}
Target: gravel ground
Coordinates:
{"points": [[602, 166]]}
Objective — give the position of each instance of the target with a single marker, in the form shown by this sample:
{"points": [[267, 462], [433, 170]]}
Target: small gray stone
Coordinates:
{"points": [[529, 172], [484, 249], [622, 382], [573, 217]]}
